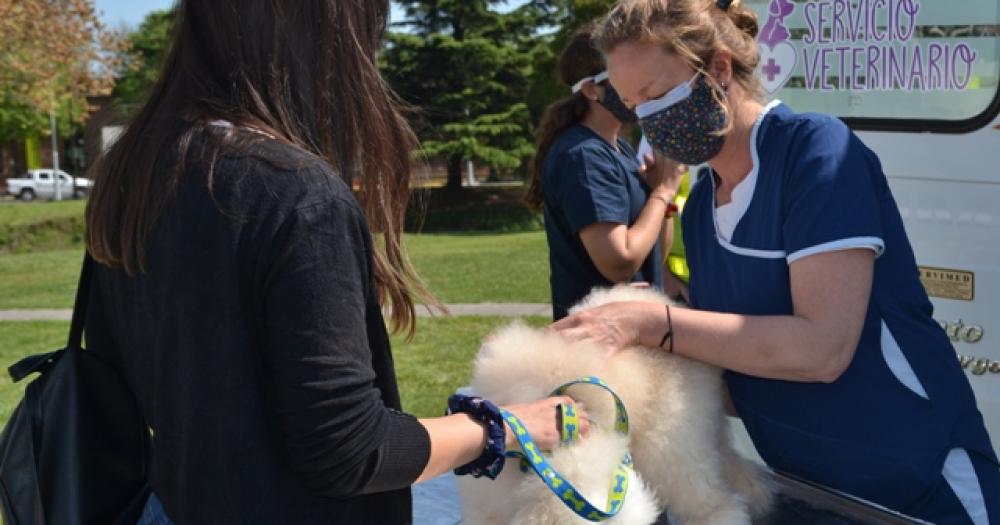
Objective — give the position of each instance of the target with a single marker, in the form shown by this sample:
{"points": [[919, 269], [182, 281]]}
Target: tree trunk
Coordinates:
{"points": [[454, 172], [4, 162]]}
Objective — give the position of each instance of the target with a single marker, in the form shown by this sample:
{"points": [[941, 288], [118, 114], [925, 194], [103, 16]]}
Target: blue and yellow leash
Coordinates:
{"points": [[570, 433]]}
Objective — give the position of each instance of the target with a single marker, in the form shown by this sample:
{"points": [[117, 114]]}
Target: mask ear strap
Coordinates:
{"points": [[596, 79], [579, 85]]}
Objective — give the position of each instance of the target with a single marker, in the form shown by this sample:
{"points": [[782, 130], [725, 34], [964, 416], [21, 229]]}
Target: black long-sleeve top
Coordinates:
{"points": [[256, 348]]}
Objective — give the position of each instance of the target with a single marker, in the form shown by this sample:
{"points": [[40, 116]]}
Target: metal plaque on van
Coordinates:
{"points": [[948, 284]]}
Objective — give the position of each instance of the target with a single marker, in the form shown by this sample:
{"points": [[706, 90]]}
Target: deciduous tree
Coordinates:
{"points": [[53, 55]]}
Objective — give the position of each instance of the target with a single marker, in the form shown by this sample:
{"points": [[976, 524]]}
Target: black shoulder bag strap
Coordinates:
{"points": [[80, 308], [41, 362]]}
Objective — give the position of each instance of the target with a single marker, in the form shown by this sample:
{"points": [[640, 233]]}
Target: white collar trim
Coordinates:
{"points": [[744, 192]]}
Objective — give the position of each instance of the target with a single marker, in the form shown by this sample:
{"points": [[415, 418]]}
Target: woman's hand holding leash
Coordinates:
{"points": [[542, 420]]}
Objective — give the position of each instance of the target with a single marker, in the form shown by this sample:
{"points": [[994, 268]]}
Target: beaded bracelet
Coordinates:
{"points": [[491, 462]]}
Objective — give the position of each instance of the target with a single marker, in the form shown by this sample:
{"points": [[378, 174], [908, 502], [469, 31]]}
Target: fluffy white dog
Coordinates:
{"points": [[679, 437]]}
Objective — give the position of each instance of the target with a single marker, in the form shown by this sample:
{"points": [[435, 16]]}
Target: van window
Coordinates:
{"points": [[884, 64]]}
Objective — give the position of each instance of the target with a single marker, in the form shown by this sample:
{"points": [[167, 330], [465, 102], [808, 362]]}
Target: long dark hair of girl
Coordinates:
{"points": [[304, 72], [578, 60]]}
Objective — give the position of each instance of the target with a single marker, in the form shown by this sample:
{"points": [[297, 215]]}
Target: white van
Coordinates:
{"points": [[918, 81]]}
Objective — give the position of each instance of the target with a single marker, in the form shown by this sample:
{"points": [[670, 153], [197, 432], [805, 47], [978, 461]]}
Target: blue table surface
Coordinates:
{"points": [[436, 503]]}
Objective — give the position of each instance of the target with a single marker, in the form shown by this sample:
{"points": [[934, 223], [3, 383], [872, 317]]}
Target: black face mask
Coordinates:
{"points": [[613, 103], [612, 100]]}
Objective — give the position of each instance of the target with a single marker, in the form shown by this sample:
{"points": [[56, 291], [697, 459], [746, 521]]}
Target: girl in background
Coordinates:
{"points": [[606, 219]]}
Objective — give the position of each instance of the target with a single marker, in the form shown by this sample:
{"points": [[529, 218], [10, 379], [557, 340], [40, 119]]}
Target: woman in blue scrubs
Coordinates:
{"points": [[803, 282], [604, 213]]}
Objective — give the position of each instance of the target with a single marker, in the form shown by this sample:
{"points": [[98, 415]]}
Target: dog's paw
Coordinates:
{"points": [[736, 515], [753, 483]]}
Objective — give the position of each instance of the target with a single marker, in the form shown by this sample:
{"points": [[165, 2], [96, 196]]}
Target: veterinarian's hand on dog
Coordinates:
{"points": [[541, 419], [615, 326]]}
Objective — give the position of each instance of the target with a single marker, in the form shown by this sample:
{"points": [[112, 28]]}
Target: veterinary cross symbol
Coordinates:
{"points": [[771, 69]]}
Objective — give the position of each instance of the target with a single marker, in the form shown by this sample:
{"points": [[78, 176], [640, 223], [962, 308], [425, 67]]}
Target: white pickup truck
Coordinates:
{"points": [[42, 184]]}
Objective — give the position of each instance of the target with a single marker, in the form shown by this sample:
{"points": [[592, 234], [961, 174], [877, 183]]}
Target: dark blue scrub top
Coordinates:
{"points": [[586, 181], [883, 429]]}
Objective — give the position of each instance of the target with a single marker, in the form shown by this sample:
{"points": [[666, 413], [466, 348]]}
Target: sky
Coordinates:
{"points": [[131, 12]]}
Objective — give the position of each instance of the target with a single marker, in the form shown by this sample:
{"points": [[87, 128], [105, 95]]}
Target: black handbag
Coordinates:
{"points": [[76, 449]]}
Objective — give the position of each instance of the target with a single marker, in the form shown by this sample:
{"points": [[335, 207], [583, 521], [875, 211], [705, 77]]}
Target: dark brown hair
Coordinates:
{"points": [[580, 59], [304, 72]]}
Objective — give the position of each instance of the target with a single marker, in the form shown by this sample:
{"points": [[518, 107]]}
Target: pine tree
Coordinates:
{"points": [[150, 43], [566, 16], [467, 69]]}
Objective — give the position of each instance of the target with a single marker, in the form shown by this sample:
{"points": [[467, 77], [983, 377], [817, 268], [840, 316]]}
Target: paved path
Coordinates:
{"points": [[458, 310], [35, 315]]}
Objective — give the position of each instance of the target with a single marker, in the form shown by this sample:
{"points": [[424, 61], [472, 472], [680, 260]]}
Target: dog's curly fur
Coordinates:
{"points": [[679, 437]]}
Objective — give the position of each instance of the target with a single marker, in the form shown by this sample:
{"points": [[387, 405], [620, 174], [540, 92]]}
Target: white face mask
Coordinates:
{"points": [[673, 97]]}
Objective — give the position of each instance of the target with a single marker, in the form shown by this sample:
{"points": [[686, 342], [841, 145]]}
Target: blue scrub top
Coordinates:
{"points": [[883, 429], [585, 181]]}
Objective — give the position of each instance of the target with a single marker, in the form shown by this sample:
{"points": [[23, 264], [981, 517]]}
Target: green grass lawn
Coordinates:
{"points": [[512, 268], [430, 368], [18, 340], [20, 213], [503, 268], [41, 226], [439, 359], [39, 280]]}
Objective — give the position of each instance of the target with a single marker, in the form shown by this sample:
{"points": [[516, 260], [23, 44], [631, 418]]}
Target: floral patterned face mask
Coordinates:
{"points": [[684, 124], [612, 100]]}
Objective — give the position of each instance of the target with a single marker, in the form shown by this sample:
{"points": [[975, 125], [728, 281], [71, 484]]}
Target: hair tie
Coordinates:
{"points": [[724, 4]]}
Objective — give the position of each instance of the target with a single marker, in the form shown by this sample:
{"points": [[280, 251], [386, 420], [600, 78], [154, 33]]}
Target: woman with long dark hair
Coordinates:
{"points": [[240, 289], [604, 213]]}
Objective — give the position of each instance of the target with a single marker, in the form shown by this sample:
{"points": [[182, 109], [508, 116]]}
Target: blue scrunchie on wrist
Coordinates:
{"points": [[490, 463]]}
